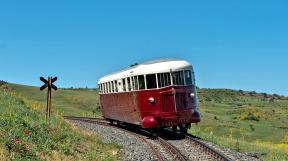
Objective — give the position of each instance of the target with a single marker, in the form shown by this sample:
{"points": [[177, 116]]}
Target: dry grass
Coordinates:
{"points": [[3, 153]]}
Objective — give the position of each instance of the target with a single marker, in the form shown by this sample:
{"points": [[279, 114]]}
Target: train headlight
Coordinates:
{"points": [[192, 95], [151, 100]]}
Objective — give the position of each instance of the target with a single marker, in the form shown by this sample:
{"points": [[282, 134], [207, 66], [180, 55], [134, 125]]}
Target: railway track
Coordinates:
{"points": [[146, 137], [196, 141], [209, 150], [176, 154]]}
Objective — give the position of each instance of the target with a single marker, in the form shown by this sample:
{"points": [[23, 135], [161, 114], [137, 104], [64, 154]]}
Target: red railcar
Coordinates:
{"points": [[159, 93]]}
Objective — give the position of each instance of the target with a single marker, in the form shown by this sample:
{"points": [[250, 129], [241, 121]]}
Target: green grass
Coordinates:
{"points": [[75, 102], [24, 135], [244, 121]]}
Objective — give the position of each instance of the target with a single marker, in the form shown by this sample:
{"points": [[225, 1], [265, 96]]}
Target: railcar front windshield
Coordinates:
{"points": [[182, 77], [164, 79], [189, 77]]}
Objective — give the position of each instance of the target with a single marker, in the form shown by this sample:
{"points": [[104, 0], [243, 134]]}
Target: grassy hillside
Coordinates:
{"points": [[245, 121], [24, 135], [77, 102]]}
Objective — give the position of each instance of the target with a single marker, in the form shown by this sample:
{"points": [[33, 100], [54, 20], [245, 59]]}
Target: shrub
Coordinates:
{"points": [[249, 116], [2, 83], [285, 139]]}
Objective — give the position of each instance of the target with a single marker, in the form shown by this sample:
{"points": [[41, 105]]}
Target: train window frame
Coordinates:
{"points": [[157, 80], [112, 86], [164, 79], [136, 83], [129, 87], [109, 87], [106, 88], [150, 84], [132, 83], [124, 85], [178, 78], [143, 84], [115, 86], [119, 85], [101, 88], [191, 81]]}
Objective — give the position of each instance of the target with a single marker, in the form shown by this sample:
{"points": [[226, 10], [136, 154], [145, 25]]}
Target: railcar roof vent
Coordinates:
{"points": [[133, 64]]}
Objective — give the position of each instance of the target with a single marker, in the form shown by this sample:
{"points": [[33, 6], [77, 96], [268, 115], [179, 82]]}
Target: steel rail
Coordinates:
{"points": [[210, 150], [172, 149], [166, 145]]}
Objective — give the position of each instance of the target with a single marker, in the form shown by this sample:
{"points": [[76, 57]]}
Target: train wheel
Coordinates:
{"points": [[159, 131], [174, 128], [183, 129], [110, 122]]}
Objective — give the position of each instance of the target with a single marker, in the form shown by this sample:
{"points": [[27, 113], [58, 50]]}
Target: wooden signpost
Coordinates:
{"points": [[48, 84]]}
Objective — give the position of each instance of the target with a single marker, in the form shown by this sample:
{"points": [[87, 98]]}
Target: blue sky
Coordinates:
{"points": [[232, 44]]}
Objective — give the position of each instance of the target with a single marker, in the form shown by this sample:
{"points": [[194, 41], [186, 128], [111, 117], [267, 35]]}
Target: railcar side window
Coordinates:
{"points": [[106, 88], [109, 88], [188, 77], [178, 78], [124, 84], [164, 79], [129, 84], [112, 87], [151, 81], [141, 82], [115, 84], [135, 83]]}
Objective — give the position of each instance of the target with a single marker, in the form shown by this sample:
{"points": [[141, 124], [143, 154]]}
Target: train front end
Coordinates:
{"points": [[174, 102]]}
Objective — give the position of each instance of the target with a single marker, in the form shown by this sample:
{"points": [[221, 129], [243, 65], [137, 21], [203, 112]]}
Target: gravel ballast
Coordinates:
{"points": [[133, 148]]}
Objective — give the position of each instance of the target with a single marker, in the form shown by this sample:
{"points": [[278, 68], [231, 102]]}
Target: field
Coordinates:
{"points": [[76, 102], [245, 121], [24, 134]]}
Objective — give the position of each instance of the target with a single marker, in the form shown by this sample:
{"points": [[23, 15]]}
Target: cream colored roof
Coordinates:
{"points": [[150, 67]]}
